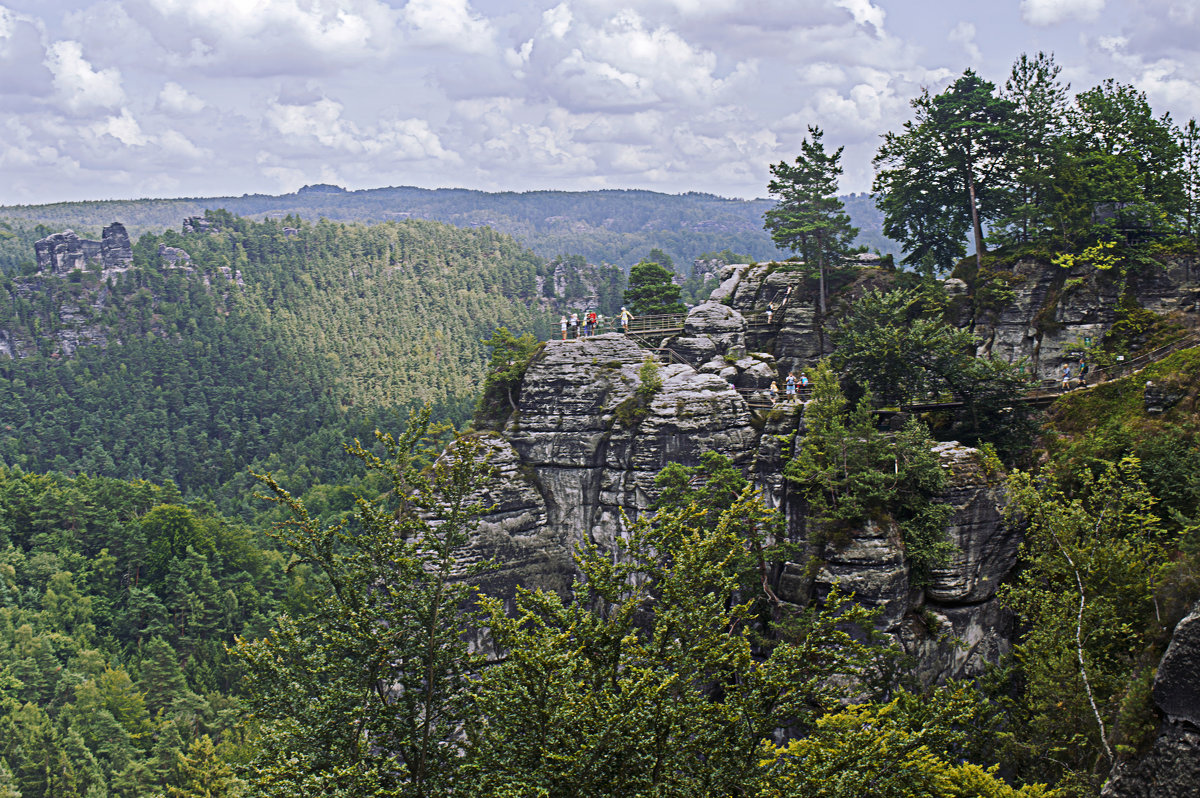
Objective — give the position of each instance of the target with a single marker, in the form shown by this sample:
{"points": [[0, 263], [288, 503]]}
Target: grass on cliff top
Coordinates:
{"points": [[1121, 402], [1108, 422]]}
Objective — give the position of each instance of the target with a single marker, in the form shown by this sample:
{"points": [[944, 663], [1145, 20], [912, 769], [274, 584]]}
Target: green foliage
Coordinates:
{"points": [[1095, 558], [598, 697], [633, 410], [899, 344], [908, 748], [365, 694], [713, 485], [652, 291], [110, 668], [945, 174], [810, 219], [321, 333], [849, 474], [511, 356]]}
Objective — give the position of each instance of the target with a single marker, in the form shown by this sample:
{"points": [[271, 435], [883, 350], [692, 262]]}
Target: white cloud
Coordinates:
{"points": [[450, 23], [178, 145], [176, 99], [124, 128], [627, 63], [79, 85], [557, 21], [22, 55], [964, 34], [269, 37], [865, 12], [1051, 12], [322, 122]]}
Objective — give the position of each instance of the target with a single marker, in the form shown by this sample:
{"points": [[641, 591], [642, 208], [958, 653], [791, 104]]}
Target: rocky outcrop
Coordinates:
{"points": [[581, 453], [199, 224], [62, 253], [174, 257], [1034, 310], [1051, 310], [1171, 769], [575, 285], [592, 446], [76, 279]]}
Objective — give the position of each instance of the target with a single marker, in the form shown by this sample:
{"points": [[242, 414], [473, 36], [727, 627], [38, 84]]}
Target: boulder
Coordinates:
{"points": [[985, 544], [1171, 768], [1177, 683]]}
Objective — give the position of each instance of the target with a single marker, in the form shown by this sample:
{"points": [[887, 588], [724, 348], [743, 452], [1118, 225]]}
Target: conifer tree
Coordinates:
{"points": [[810, 220]]}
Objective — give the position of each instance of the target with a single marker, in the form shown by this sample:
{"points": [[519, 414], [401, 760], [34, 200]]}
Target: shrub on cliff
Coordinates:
{"points": [[511, 356]]}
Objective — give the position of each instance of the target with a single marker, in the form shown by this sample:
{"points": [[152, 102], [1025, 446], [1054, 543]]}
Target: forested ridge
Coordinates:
{"points": [[616, 227], [314, 335], [164, 632]]}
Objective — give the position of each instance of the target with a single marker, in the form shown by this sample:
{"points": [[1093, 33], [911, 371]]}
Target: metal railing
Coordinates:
{"points": [[1127, 367]]}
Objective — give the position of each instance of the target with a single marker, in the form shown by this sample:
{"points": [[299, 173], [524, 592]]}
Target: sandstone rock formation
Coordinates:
{"points": [[581, 453], [78, 277], [1045, 313], [62, 253], [1171, 769]]}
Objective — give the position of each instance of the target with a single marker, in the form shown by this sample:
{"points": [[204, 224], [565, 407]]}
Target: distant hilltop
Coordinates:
{"points": [[617, 227], [321, 188]]}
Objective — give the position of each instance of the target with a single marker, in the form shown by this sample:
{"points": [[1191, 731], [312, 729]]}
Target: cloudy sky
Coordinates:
{"points": [[108, 99]]}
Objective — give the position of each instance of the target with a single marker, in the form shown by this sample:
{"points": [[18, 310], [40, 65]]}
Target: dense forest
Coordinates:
{"points": [[323, 332]]}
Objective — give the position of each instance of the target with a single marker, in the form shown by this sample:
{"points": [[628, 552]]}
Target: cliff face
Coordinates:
{"points": [[1047, 310], [580, 455], [1033, 310], [1171, 769], [64, 252]]}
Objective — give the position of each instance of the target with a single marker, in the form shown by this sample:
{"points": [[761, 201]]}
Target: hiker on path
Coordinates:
{"points": [[774, 393], [1066, 380], [1083, 370]]}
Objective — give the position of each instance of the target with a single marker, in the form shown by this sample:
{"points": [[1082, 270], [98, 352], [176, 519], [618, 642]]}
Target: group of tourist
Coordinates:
{"points": [[1080, 374], [792, 384], [592, 322]]}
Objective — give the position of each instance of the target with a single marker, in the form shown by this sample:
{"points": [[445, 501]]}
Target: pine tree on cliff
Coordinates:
{"points": [[810, 220]]}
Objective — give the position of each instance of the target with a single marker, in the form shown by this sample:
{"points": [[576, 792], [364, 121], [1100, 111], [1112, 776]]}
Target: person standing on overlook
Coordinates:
{"points": [[575, 325], [626, 317], [563, 324], [790, 385]]}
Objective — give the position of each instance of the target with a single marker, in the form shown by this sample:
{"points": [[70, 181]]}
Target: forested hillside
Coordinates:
{"points": [[117, 603], [313, 334], [617, 227]]}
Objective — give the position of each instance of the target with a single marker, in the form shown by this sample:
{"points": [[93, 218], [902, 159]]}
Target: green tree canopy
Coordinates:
{"points": [[365, 695], [810, 220], [652, 291], [945, 175]]}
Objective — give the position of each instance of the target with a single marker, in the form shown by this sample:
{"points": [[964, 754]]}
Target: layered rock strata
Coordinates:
{"points": [[62, 253], [580, 455], [1046, 312]]}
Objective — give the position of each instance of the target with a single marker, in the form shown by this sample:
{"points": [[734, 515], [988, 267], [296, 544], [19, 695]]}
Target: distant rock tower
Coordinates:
{"points": [[63, 253]]}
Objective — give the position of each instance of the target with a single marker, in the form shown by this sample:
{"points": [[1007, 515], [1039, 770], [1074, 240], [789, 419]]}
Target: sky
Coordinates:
{"points": [[123, 99]]}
